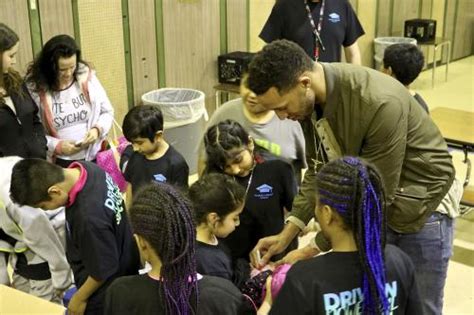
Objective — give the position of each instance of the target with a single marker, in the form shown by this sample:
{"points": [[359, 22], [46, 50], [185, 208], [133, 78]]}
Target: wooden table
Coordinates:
{"points": [[17, 302], [457, 128]]}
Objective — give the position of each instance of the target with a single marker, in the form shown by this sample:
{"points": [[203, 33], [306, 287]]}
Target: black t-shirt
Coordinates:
{"points": [[331, 284], [289, 20], [212, 260], [170, 168], [272, 188], [98, 235], [141, 295]]}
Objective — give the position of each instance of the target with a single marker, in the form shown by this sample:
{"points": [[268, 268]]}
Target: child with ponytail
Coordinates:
{"points": [[164, 230], [217, 201], [269, 184], [361, 275]]}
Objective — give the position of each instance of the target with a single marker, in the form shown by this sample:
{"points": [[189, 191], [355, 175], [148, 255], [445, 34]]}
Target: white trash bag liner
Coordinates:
{"points": [[178, 105], [380, 43]]}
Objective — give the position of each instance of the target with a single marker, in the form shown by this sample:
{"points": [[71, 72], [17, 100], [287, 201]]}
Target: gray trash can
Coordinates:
{"points": [[380, 43], [185, 116]]}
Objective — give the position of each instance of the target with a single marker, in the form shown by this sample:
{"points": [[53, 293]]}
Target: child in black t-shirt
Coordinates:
{"points": [[361, 275], [99, 243], [162, 221], [404, 62], [269, 183], [218, 201], [150, 157]]}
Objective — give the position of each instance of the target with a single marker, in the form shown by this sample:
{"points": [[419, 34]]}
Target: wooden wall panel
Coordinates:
{"points": [[259, 13], [143, 47], [449, 18], [237, 38], [355, 4], [426, 9], [403, 10], [103, 45], [464, 29], [384, 20], [192, 44], [367, 17], [56, 18], [14, 13]]}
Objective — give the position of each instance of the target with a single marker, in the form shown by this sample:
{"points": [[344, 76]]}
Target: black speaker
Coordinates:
{"points": [[230, 66], [420, 29]]}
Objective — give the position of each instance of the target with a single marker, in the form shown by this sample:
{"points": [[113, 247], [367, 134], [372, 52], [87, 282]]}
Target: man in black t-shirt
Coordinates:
{"points": [[338, 27], [99, 242], [150, 157]]}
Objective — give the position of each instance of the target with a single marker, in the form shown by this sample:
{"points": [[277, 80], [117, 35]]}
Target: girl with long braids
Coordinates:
{"points": [[361, 275], [164, 230], [269, 184]]}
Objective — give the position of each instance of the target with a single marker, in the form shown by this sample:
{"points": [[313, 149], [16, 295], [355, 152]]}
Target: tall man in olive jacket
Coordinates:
{"points": [[352, 110]]}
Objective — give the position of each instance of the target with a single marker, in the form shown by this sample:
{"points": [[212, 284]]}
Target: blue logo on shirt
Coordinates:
{"points": [[334, 17], [264, 191], [160, 178], [114, 199]]}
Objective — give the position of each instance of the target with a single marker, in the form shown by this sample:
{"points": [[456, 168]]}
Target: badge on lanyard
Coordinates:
{"points": [[318, 43]]}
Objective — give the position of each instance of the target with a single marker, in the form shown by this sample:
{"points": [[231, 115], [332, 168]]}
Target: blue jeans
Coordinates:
{"points": [[430, 250]]}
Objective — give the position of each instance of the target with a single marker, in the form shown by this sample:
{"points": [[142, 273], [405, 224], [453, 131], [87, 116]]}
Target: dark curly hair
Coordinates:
{"points": [[279, 64], [406, 61], [162, 215], [43, 73], [10, 81]]}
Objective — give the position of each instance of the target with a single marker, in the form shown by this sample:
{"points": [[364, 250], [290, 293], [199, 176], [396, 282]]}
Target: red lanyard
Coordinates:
{"points": [[316, 30]]}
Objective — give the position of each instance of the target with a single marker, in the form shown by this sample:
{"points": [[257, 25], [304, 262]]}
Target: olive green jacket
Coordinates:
{"points": [[371, 115]]}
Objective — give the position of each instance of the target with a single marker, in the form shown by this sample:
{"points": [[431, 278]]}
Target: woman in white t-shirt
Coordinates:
{"points": [[74, 107]]}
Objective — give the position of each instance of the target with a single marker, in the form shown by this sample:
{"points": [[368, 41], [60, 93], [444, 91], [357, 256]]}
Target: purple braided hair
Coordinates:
{"points": [[355, 191], [163, 217]]}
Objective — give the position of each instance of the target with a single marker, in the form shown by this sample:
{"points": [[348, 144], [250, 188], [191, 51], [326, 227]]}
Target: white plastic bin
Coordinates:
{"points": [[380, 43], [184, 114]]}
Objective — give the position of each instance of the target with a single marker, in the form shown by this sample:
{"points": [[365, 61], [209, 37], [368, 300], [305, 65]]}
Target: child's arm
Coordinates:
{"points": [[78, 303], [181, 174], [41, 238], [128, 197]]}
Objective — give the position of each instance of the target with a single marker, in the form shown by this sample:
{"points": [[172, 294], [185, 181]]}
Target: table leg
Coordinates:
{"points": [[448, 47], [217, 99], [434, 67]]}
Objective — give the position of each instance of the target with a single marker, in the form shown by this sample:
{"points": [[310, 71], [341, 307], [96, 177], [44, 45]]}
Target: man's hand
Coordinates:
{"points": [[298, 254], [272, 245], [77, 305], [268, 246]]}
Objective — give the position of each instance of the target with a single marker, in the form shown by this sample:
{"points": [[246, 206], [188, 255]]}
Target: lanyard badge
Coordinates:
{"points": [[318, 43]]}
